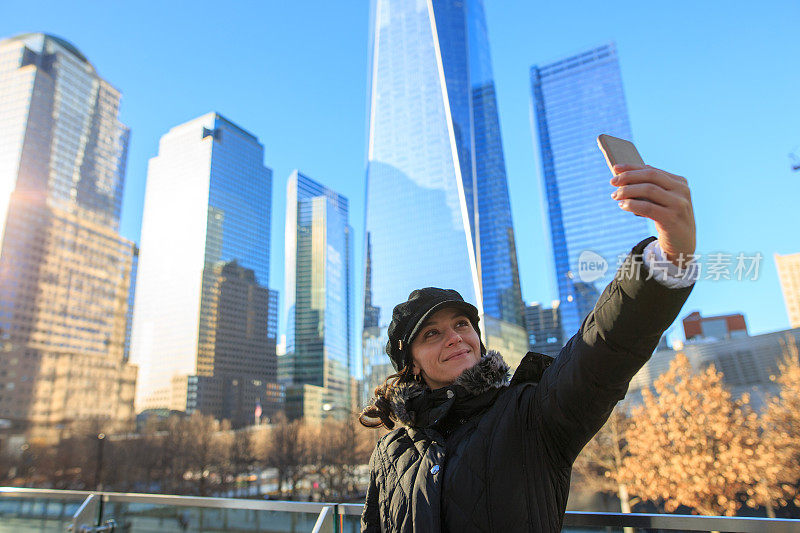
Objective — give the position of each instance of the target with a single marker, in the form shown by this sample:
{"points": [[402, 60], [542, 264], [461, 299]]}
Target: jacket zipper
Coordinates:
{"points": [[525, 458]]}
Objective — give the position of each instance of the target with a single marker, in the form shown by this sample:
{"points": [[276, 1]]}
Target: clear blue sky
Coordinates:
{"points": [[712, 90]]}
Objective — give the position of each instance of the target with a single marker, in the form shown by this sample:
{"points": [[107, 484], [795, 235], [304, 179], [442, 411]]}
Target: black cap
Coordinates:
{"points": [[409, 316]]}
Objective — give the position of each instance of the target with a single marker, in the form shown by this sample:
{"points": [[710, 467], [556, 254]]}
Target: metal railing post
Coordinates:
{"points": [[85, 515], [324, 521]]}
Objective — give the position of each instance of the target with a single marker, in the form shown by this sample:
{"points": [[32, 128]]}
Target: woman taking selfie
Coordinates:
{"points": [[472, 450]]}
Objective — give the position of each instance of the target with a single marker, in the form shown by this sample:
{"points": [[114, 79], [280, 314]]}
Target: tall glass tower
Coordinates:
{"points": [[438, 211], [576, 99], [203, 327], [319, 298], [65, 271]]}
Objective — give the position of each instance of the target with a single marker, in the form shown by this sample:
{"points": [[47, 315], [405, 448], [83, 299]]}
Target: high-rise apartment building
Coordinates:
{"points": [[575, 99], [204, 325], [319, 300], [438, 211], [789, 274], [65, 272]]}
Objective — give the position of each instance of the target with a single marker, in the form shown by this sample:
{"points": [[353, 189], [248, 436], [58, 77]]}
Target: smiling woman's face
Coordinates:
{"points": [[446, 346]]}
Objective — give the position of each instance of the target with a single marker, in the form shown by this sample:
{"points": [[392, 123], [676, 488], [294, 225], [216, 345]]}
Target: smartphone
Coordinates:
{"points": [[618, 151]]}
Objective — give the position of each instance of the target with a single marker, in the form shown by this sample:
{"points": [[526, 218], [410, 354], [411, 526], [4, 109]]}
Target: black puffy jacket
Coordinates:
{"points": [[485, 454]]}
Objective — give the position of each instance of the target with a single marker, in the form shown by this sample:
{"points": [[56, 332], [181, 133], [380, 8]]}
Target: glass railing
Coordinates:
{"points": [[150, 512], [579, 522], [23, 510], [38, 510]]}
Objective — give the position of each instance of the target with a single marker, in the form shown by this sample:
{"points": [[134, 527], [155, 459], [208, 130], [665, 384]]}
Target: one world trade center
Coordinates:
{"points": [[438, 211]]}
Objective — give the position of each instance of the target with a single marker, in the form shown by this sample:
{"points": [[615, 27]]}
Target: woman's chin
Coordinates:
{"points": [[457, 365]]}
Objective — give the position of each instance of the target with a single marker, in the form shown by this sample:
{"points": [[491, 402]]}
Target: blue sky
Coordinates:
{"points": [[711, 87]]}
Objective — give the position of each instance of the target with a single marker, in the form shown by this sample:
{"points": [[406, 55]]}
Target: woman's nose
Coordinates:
{"points": [[453, 337]]}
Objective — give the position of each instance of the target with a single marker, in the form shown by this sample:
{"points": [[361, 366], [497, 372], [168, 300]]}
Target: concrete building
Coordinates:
{"points": [[65, 272], [714, 327]]}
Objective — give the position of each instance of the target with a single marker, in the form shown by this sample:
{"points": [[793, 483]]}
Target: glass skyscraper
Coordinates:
{"points": [[438, 211], [576, 99], [203, 328], [65, 271], [319, 298]]}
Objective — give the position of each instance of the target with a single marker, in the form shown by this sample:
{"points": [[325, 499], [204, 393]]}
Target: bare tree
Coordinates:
{"points": [[8, 465], [600, 462], [204, 452], [343, 445], [241, 455], [174, 461], [288, 451], [191, 453]]}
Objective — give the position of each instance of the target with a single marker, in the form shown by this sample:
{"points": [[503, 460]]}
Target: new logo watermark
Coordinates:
{"points": [[716, 266], [591, 266]]}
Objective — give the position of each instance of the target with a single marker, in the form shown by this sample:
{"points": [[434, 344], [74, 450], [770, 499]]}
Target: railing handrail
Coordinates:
{"points": [[675, 522], [680, 522], [22, 492], [327, 509], [216, 503], [350, 509], [161, 499]]}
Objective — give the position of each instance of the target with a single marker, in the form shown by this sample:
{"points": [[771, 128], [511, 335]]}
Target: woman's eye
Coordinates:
{"points": [[430, 333], [462, 323]]}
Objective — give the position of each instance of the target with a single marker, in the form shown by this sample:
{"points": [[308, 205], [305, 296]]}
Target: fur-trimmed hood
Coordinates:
{"points": [[410, 402]]}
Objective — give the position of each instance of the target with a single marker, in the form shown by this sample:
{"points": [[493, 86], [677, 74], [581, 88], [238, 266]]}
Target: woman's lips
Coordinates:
{"points": [[457, 355]]}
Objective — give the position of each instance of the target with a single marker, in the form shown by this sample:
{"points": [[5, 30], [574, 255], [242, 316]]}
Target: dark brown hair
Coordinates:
{"points": [[379, 411]]}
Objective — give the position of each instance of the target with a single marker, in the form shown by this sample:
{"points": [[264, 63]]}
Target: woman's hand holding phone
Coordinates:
{"points": [[653, 193], [665, 199]]}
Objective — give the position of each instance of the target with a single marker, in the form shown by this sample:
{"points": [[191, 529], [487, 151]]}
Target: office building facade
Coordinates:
{"points": [[65, 271], [719, 327], [789, 275], [544, 328], [376, 365], [438, 211], [574, 100], [204, 325], [746, 362], [319, 300]]}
